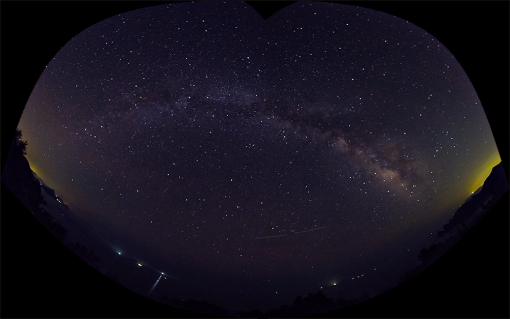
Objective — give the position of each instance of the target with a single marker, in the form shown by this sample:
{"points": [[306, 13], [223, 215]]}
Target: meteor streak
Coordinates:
{"points": [[270, 237], [292, 231], [309, 230]]}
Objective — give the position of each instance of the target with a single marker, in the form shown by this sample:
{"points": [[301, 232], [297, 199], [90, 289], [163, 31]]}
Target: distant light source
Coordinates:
{"points": [[119, 253], [334, 284], [140, 265]]}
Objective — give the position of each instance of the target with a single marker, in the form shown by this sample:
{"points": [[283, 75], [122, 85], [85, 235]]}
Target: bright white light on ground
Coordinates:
{"points": [[155, 284]]}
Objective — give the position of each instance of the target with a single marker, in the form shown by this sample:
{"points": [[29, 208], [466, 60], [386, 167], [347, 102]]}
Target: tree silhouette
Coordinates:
{"points": [[84, 252], [200, 306], [298, 302], [310, 305], [18, 145], [427, 254], [58, 230], [53, 225]]}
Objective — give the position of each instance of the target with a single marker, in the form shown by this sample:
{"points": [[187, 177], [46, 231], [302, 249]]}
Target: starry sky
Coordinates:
{"points": [[266, 157]]}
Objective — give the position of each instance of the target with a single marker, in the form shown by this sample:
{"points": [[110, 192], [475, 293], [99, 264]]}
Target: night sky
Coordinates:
{"points": [[260, 159]]}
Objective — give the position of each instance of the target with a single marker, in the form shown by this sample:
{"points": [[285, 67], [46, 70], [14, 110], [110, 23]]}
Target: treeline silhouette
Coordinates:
{"points": [[494, 187], [312, 304], [20, 179], [200, 306], [464, 218]]}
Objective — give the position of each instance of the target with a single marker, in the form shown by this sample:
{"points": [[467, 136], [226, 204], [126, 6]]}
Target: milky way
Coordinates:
{"points": [[237, 152]]}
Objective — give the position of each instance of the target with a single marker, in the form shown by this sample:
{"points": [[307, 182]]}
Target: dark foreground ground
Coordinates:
{"points": [[42, 278]]}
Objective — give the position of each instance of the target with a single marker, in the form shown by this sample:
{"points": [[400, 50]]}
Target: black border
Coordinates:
{"points": [[469, 281]]}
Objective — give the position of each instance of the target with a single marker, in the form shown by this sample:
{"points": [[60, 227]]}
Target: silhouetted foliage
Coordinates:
{"points": [[427, 254], [319, 302], [44, 216], [298, 302], [58, 230], [22, 182], [312, 304], [475, 206], [53, 225], [200, 306], [257, 313], [342, 303], [18, 145], [364, 297], [84, 253], [18, 176]]}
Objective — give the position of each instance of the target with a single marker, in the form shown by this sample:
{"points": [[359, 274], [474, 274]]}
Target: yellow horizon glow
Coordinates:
{"points": [[41, 175], [34, 168], [484, 172]]}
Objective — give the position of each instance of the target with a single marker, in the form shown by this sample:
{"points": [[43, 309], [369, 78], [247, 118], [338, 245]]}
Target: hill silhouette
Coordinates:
{"points": [[464, 218], [473, 208], [18, 175]]}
